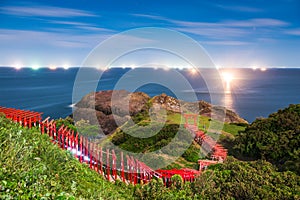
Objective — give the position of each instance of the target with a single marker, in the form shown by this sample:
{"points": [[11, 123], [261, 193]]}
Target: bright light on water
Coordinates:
{"points": [[35, 67], [227, 77]]}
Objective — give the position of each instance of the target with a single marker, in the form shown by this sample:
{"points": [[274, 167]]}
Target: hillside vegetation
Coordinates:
{"points": [[146, 136], [276, 139], [34, 168], [169, 140], [31, 167]]}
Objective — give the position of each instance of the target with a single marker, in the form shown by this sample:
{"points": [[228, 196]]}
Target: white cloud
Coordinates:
{"points": [[45, 11], [149, 16], [31, 39], [68, 23], [226, 43], [239, 8], [256, 22], [80, 25], [227, 30], [214, 32], [293, 32]]}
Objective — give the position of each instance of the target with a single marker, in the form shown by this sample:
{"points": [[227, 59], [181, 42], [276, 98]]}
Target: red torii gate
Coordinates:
{"points": [[190, 116], [24, 117], [203, 164]]}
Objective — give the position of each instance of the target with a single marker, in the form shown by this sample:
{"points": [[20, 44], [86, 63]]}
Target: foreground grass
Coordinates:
{"points": [[31, 167]]}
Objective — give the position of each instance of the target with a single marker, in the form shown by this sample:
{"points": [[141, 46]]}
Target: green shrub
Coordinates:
{"points": [[177, 181]]}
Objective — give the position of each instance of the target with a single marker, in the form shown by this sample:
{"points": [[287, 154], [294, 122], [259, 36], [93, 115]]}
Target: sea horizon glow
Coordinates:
{"points": [[54, 67]]}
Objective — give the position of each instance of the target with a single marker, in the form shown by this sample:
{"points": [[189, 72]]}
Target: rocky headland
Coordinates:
{"points": [[100, 108]]}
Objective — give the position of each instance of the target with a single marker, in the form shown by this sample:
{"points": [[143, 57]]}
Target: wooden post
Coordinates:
{"points": [[137, 168], [50, 129], [114, 164], [107, 164], [63, 140], [141, 171], [134, 171], [96, 159], [67, 140], [100, 160], [59, 137], [72, 144], [24, 122], [47, 127], [128, 168], [86, 152], [54, 133], [122, 167], [81, 149], [76, 146], [91, 154], [42, 127], [29, 124]]}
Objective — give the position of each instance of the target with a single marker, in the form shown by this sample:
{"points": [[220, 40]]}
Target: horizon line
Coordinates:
{"points": [[135, 67]]}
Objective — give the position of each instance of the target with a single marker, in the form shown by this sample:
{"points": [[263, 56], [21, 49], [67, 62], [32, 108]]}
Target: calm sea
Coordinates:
{"points": [[253, 93]]}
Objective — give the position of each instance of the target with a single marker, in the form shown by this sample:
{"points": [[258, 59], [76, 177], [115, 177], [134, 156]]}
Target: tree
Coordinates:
{"points": [[276, 139]]}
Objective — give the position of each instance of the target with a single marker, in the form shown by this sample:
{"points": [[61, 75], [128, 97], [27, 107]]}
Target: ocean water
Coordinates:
{"points": [[252, 93]]}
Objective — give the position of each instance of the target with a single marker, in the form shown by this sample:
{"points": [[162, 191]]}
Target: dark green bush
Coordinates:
{"points": [[276, 139]]}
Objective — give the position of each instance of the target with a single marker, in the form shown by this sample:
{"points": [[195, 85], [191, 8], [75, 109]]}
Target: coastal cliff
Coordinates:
{"points": [[96, 107]]}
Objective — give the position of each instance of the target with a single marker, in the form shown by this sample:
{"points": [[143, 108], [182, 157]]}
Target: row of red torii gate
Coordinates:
{"points": [[111, 165]]}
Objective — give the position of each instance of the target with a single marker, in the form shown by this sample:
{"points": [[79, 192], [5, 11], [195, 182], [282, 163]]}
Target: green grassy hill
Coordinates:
{"points": [[145, 137], [169, 141], [31, 167]]}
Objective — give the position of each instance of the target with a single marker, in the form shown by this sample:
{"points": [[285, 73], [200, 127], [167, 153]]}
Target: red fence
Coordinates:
{"points": [[24, 117], [113, 166], [104, 161]]}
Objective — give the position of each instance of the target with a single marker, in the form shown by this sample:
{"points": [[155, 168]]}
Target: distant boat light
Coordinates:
{"points": [[52, 67], [192, 71], [17, 66], [263, 69], [132, 66], [66, 67]]}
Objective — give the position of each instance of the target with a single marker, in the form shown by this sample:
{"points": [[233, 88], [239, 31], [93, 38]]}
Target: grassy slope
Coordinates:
{"points": [[31, 167], [128, 142]]}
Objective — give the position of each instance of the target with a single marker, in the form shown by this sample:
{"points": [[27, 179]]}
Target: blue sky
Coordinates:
{"points": [[234, 33]]}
